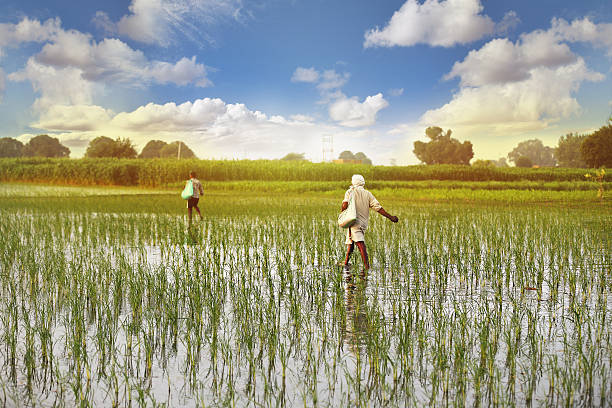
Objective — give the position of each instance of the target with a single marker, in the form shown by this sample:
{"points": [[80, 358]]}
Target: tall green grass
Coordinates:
{"points": [[161, 172]]}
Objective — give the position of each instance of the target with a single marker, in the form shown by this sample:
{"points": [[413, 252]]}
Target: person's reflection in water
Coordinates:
{"points": [[355, 334], [356, 310], [193, 237]]}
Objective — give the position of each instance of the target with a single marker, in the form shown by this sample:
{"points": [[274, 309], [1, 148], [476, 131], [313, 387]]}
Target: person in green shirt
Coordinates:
{"points": [[192, 202]]}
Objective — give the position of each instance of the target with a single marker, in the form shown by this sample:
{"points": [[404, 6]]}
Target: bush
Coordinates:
{"points": [[45, 146], [596, 149], [161, 172], [10, 147], [523, 161]]}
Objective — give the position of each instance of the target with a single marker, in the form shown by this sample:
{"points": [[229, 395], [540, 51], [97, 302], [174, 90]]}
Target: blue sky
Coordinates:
{"points": [[259, 79]]}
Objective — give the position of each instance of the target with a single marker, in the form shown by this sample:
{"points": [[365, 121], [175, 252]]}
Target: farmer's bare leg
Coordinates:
{"points": [[364, 254], [189, 211], [198, 210], [349, 251]]}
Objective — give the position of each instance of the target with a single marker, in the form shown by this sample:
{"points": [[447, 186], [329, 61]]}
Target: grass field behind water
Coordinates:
{"points": [[109, 300], [164, 172], [167, 199]]}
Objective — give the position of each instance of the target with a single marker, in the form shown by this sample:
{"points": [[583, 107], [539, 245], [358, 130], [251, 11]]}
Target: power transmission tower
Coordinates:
{"points": [[327, 146]]}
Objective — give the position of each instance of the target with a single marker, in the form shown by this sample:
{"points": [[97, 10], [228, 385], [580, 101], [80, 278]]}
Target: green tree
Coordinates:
{"points": [[171, 150], [435, 132], [294, 157], [363, 158], [596, 149], [483, 163], [523, 161], [45, 146], [568, 153], [152, 149], [124, 149], [346, 155], [359, 157], [103, 146], [10, 147], [539, 154], [442, 149]]}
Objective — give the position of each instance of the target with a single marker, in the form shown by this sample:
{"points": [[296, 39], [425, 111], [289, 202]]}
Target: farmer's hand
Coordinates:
{"points": [[394, 218]]}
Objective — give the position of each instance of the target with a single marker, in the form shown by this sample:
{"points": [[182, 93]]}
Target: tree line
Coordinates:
{"points": [[38, 146], [102, 146], [346, 156], [123, 148], [573, 150]]}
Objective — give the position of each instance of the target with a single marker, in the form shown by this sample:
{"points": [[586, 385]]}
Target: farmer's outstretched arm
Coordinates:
{"points": [[382, 212]]}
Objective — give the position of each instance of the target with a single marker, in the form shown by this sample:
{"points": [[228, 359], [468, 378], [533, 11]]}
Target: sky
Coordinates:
{"points": [[251, 79]]}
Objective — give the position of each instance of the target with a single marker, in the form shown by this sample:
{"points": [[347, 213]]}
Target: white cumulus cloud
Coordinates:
{"points": [[183, 72], [2, 84], [510, 21], [346, 111], [584, 30], [64, 86], [525, 85], [28, 30], [352, 113], [159, 21], [438, 23], [305, 118], [202, 113], [546, 96], [114, 61], [73, 118], [71, 66], [145, 22], [213, 128], [102, 21], [331, 80], [501, 60], [302, 74]]}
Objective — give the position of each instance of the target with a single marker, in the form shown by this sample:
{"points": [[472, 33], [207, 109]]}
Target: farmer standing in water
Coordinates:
{"points": [[364, 200], [192, 202]]}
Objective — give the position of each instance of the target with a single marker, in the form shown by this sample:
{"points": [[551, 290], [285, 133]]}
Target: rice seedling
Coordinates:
{"points": [[104, 303]]}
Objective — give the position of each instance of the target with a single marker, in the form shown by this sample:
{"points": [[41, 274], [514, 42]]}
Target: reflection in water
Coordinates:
{"points": [[356, 310], [194, 235]]}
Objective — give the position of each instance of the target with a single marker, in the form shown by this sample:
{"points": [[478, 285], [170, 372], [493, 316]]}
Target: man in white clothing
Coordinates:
{"points": [[364, 200]]}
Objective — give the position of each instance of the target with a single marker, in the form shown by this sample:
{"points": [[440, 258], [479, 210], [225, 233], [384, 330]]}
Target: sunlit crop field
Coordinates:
{"points": [[112, 301]]}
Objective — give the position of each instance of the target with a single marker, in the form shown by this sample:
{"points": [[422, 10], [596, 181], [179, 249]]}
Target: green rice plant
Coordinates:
{"points": [[106, 303]]}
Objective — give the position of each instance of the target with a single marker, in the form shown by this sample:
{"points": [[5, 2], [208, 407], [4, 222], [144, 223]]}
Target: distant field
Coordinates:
{"points": [[30, 195], [42, 190], [164, 172]]}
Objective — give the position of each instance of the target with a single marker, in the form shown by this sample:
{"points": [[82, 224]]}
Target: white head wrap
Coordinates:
{"points": [[357, 180]]}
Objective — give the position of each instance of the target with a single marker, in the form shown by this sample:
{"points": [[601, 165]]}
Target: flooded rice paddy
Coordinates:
{"points": [[463, 306]]}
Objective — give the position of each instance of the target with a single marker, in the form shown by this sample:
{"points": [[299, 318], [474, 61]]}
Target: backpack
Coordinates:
{"points": [[188, 191]]}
